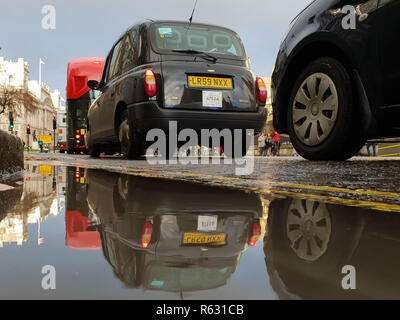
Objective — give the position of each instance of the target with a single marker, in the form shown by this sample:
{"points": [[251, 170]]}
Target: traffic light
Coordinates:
{"points": [[54, 123], [28, 129], [11, 120]]}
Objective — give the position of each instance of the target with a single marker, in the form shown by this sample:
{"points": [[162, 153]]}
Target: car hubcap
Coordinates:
{"points": [[315, 109], [124, 136], [308, 229]]}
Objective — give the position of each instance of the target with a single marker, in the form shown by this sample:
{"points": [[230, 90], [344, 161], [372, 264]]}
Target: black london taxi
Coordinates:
{"points": [[159, 71]]}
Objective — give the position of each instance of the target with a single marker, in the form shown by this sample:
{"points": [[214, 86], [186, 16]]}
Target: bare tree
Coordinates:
{"points": [[12, 99]]}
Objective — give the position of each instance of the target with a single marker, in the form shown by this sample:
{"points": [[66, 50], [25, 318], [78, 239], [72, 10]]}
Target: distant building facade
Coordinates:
{"points": [[16, 74]]}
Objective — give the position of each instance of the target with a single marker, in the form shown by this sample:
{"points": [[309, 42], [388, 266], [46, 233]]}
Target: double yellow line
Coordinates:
{"points": [[264, 187], [389, 147], [269, 187]]}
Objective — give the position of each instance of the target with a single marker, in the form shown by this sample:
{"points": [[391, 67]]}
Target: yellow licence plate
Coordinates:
{"points": [[210, 82], [201, 238]]}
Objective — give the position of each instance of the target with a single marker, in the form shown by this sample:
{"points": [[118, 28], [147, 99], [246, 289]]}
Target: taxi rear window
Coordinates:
{"points": [[209, 39]]}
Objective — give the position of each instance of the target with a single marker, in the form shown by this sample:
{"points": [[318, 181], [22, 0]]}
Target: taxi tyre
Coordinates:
{"points": [[340, 247], [133, 146], [345, 139], [93, 151]]}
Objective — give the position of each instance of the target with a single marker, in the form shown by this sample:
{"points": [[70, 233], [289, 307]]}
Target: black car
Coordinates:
{"points": [[336, 81], [161, 71]]}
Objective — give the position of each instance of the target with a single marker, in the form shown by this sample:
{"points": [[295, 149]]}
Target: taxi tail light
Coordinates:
{"points": [[146, 234], [150, 83], [255, 233], [261, 90]]}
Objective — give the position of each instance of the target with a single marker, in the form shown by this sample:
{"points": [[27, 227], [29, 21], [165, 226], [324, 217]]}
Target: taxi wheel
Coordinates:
{"points": [[94, 151], [130, 143]]}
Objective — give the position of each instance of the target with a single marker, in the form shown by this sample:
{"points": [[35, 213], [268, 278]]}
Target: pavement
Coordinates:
{"points": [[359, 182]]}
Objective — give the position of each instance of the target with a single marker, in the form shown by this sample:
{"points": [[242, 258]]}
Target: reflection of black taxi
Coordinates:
{"points": [[156, 238], [160, 71], [308, 243]]}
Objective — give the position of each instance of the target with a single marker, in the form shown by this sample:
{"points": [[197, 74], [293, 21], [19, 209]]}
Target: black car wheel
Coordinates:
{"points": [[130, 142], [93, 151], [323, 121]]}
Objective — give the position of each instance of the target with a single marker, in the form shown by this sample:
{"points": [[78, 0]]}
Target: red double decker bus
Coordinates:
{"points": [[79, 98]]}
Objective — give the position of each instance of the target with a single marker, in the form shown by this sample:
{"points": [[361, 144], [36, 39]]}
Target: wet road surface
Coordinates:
{"points": [[119, 230]]}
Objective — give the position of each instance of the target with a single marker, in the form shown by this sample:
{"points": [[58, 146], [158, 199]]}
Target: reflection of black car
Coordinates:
{"points": [[197, 75], [308, 243], [335, 87], [158, 239]]}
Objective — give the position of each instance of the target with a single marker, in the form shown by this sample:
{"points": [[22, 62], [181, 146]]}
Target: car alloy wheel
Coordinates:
{"points": [[315, 109], [308, 229]]}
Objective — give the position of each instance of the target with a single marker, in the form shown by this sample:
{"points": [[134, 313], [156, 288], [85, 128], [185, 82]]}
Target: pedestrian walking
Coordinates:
{"points": [[277, 142], [262, 145], [373, 145]]}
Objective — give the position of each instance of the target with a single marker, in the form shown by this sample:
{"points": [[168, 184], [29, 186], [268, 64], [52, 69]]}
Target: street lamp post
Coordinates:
{"points": [[54, 134], [28, 132]]}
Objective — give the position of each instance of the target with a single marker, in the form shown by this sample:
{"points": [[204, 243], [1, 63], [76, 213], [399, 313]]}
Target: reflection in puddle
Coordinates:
{"points": [[308, 243], [31, 202], [163, 235], [111, 234]]}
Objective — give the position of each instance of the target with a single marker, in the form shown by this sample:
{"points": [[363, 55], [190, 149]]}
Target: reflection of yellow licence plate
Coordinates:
{"points": [[210, 82], [201, 238], [45, 170]]}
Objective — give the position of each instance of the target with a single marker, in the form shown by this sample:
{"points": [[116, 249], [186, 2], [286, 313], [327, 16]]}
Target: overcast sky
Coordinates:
{"points": [[90, 27]]}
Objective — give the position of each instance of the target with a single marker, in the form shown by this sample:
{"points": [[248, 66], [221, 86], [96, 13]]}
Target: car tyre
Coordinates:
{"points": [[323, 119], [94, 151], [131, 144]]}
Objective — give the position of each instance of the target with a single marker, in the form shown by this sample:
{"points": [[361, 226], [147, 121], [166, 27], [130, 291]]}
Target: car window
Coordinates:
{"points": [[210, 39], [114, 67], [130, 52]]}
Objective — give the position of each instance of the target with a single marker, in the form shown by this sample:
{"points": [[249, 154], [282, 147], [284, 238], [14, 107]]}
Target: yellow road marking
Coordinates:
{"points": [[388, 147], [344, 190], [389, 155], [281, 184], [380, 206], [211, 179]]}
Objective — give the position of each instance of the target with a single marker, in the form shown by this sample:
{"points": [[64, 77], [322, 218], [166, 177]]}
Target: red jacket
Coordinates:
{"points": [[276, 136]]}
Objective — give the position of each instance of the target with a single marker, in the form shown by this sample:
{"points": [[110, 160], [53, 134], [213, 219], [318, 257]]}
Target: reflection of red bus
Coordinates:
{"points": [[79, 97], [77, 234], [81, 224]]}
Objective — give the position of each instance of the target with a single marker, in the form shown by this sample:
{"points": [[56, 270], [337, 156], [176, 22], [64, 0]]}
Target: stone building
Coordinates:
{"points": [[16, 74]]}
